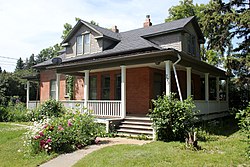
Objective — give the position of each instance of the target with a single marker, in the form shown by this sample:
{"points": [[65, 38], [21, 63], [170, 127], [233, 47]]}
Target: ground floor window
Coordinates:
{"points": [[118, 87], [92, 87], [53, 89], [105, 87]]}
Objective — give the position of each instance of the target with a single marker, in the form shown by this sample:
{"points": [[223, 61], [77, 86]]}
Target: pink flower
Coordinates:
{"points": [[97, 141], [42, 143], [69, 123], [45, 126], [41, 134], [48, 141], [37, 137], [60, 127]]}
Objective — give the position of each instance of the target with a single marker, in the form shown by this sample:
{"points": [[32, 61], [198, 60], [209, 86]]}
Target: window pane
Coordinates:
{"points": [[105, 87], [93, 88], [86, 43], [53, 89], [118, 87], [79, 47]]}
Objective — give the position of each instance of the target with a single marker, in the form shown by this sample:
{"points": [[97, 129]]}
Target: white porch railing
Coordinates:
{"points": [[209, 107], [107, 108], [33, 104], [73, 104]]}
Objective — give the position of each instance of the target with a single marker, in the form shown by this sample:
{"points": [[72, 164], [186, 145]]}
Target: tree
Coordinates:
{"points": [[67, 29], [0, 69], [19, 64], [31, 61], [48, 53]]}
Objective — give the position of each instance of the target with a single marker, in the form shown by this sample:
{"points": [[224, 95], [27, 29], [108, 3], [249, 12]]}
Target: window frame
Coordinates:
{"points": [[118, 87], [103, 88], [77, 46], [50, 89], [91, 89], [88, 44]]}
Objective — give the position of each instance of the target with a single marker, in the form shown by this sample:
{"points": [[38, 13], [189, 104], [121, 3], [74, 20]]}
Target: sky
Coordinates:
{"points": [[28, 26]]}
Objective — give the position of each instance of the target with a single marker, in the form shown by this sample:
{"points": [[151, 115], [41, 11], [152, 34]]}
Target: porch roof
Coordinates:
{"points": [[140, 57]]}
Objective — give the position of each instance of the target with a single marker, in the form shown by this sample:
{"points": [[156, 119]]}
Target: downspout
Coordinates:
{"points": [[176, 77]]}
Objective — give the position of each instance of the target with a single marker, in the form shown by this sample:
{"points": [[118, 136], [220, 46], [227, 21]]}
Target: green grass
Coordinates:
{"points": [[224, 150], [12, 150]]}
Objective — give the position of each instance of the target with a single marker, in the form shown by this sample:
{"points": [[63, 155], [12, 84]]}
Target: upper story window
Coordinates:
{"points": [[191, 45], [83, 44]]}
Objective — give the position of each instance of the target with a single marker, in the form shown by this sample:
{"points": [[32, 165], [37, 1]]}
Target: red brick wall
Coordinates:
{"points": [[45, 77], [138, 92], [79, 88]]}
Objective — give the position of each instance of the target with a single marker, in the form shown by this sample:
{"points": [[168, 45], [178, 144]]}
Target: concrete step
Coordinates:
{"points": [[122, 134], [137, 123], [135, 131], [136, 126]]}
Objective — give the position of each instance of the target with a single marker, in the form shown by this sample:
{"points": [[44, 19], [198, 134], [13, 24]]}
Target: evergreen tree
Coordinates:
{"points": [[19, 64]]}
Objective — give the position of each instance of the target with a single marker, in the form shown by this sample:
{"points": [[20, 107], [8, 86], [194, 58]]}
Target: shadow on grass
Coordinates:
{"points": [[225, 126]]}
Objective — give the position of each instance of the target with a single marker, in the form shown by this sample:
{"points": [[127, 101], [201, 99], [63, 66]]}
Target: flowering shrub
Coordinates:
{"points": [[63, 134], [50, 108]]}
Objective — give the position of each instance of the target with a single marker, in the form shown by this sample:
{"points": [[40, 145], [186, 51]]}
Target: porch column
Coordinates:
{"points": [[86, 88], [189, 73], [168, 76], [57, 86], [217, 88], [28, 94], [206, 86], [227, 92], [123, 91]]}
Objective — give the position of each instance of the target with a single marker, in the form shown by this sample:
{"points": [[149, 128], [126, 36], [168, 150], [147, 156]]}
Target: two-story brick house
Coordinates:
{"points": [[118, 73]]}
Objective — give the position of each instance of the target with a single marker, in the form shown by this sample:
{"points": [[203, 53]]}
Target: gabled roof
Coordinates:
{"points": [[103, 32], [129, 41]]}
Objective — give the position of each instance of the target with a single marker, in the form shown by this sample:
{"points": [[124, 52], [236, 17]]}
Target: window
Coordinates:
{"points": [[92, 87], [79, 47], [86, 43], [118, 87], [191, 44], [158, 85], [105, 87], [53, 89], [83, 44]]}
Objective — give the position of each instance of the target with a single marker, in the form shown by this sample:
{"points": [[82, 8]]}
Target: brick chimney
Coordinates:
{"points": [[147, 22], [114, 29]]}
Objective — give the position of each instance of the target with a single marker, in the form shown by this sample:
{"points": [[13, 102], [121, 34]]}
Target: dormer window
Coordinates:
{"points": [[83, 44]]}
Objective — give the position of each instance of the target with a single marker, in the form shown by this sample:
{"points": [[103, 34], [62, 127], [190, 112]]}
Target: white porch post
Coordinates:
{"points": [[217, 88], [123, 91], [189, 73], [86, 88], [206, 86], [168, 76], [57, 86], [28, 94], [227, 93]]}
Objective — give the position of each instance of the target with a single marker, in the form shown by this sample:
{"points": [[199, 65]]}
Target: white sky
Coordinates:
{"points": [[28, 26]]}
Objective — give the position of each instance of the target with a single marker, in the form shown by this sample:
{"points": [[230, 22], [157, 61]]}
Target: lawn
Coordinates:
{"points": [[12, 150], [224, 149]]}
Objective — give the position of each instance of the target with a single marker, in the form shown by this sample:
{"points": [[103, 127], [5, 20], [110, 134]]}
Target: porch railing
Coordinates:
{"points": [[73, 104], [109, 108], [209, 107], [33, 104]]}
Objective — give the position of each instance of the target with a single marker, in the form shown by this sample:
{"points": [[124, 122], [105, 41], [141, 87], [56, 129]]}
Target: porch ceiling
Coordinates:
{"points": [[137, 59]]}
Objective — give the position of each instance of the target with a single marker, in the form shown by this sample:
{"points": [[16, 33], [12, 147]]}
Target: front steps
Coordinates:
{"points": [[133, 126]]}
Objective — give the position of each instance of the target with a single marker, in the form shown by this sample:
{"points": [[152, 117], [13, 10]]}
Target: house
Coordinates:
{"points": [[117, 74]]}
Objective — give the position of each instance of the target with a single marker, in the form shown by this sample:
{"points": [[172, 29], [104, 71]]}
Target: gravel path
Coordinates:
{"points": [[68, 160]]}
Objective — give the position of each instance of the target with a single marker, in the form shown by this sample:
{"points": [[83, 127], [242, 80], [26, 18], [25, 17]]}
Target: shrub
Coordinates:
{"points": [[50, 108], [3, 114], [172, 119], [15, 112], [63, 134], [244, 123]]}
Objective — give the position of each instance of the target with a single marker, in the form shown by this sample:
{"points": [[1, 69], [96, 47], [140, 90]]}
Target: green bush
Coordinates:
{"points": [[15, 112], [50, 108], [172, 119], [63, 134], [244, 123]]}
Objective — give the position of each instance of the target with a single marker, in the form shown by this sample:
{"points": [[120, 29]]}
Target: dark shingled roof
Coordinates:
{"points": [[129, 41]]}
